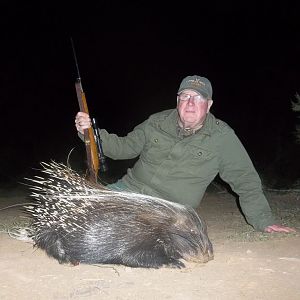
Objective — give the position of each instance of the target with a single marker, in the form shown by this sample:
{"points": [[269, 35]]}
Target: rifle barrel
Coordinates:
{"points": [[75, 58]]}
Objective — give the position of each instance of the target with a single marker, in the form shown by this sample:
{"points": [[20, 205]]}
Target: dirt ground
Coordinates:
{"points": [[247, 264]]}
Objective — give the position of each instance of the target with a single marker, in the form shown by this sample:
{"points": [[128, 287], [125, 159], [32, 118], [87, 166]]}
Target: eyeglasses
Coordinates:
{"points": [[186, 97]]}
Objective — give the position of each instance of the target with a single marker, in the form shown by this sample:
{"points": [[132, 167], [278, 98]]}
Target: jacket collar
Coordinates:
{"points": [[208, 124], [170, 124]]}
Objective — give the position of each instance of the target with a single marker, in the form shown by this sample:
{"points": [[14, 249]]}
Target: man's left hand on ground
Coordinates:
{"points": [[279, 228]]}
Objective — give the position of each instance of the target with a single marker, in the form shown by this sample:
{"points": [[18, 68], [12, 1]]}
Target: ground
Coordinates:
{"points": [[246, 265]]}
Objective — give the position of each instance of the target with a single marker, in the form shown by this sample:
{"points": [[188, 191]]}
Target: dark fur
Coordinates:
{"points": [[76, 222]]}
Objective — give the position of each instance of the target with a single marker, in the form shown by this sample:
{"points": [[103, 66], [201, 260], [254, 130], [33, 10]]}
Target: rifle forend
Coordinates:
{"points": [[89, 139]]}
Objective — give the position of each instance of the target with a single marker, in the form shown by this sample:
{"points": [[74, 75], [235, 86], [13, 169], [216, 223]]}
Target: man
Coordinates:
{"points": [[182, 150]]}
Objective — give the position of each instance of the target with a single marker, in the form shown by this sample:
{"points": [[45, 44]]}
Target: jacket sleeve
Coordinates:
{"points": [[127, 147], [236, 168]]}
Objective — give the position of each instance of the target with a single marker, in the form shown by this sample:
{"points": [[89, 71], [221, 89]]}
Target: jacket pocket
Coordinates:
{"points": [[200, 154], [202, 163], [155, 150]]}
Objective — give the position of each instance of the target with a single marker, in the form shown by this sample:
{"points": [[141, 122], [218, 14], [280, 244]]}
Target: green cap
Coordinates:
{"points": [[198, 84]]}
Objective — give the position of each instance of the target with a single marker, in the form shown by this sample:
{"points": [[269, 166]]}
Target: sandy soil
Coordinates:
{"points": [[247, 264]]}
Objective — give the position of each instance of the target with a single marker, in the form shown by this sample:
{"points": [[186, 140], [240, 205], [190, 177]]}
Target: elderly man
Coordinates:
{"points": [[182, 150]]}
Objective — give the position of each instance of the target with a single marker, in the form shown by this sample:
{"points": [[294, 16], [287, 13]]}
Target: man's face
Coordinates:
{"points": [[192, 112]]}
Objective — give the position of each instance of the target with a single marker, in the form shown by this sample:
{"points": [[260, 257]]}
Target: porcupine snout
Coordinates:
{"points": [[51, 242]]}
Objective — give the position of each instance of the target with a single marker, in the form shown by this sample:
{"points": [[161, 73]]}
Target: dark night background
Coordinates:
{"points": [[132, 57]]}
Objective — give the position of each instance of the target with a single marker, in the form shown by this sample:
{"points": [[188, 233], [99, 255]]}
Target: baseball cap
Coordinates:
{"points": [[198, 84]]}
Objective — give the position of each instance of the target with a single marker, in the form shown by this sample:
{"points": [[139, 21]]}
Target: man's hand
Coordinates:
{"points": [[82, 121], [279, 228]]}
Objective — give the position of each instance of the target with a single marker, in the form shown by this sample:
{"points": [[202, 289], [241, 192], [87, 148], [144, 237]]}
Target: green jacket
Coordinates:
{"points": [[179, 169]]}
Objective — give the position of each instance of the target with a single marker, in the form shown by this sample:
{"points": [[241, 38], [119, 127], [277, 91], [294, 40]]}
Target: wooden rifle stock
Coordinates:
{"points": [[89, 138], [95, 156]]}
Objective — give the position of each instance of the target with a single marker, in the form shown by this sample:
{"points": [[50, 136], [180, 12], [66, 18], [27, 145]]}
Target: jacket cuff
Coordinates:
{"points": [[264, 222]]}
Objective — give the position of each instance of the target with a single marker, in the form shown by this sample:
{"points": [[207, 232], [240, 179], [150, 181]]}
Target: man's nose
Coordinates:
{"points": [[191, 101]]}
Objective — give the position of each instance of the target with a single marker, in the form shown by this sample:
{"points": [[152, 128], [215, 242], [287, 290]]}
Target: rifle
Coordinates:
{"points": [[91, 135]]}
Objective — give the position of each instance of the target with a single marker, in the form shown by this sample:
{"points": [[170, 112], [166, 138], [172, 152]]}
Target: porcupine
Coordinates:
{"points": [[76, 221]]}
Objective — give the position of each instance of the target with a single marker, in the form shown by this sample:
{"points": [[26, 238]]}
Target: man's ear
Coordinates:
{"points": [[210, 103]]}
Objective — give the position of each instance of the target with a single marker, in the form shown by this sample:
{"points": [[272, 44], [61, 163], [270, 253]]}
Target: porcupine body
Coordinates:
{"points": [[76, 221]]}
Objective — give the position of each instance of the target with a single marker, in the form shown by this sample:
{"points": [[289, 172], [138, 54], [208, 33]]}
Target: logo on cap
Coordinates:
{"points": [[196, 82]]}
